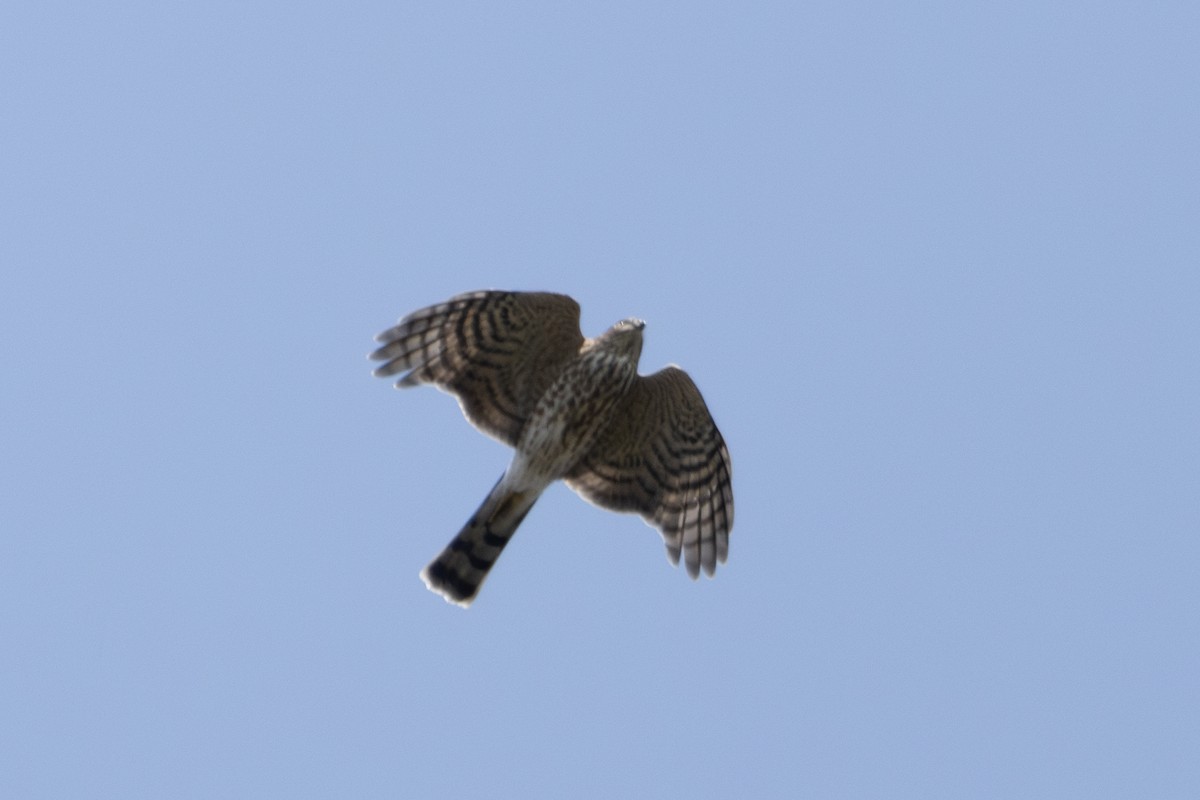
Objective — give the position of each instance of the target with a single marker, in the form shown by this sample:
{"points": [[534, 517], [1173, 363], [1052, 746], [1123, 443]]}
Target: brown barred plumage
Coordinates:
{"points": [[574, 409]]}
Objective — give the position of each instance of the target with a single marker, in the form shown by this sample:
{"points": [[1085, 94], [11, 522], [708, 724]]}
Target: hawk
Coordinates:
{"points": [[574, 409]]}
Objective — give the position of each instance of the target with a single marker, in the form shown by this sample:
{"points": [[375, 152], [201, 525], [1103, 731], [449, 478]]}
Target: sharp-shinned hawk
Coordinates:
{"points": [[573, 408]]}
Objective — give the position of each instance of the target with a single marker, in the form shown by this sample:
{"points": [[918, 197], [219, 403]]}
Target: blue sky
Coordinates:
{"points": [[934, 267]]}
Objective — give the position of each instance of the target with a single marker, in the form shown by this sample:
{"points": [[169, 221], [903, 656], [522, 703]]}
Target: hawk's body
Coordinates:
{"points": [[574, 409]]}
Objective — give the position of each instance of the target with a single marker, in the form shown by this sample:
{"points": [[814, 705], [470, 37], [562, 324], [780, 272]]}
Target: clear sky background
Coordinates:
{"points": [[935, 267]]}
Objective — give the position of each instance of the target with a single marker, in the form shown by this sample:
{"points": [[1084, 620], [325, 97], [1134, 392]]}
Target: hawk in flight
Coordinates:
{"points": [[573, 408]]}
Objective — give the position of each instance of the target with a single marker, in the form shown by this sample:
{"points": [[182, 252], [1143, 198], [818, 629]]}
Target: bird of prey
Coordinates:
{"points": [[573, 408]]}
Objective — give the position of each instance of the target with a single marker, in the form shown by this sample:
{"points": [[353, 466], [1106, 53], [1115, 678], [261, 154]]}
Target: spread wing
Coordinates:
{"points": [[497, 352], [664, 458]]}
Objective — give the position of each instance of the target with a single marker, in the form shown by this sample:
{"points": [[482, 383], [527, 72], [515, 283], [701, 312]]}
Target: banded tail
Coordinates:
{"points": [[458, 572]]}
